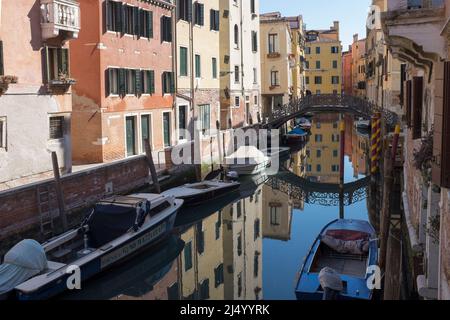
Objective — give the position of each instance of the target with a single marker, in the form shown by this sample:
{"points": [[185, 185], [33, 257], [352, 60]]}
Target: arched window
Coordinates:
{"points": [[236, 35]]}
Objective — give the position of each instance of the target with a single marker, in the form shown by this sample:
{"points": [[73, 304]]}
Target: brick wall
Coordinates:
{"points": [[19, 206]]}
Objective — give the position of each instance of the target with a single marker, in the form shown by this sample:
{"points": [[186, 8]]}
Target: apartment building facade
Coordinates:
{"points": [[418, 33], [36, 100], [125, 93], [240, 63], [347, 75], [198, 69], [323, 61], [358, 67], [277, 62], [297, 27]]}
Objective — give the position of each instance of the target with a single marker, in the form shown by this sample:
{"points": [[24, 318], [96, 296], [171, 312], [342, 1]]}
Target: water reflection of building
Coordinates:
{"points": [[276, 214], [357, 145], [222, 257], [322, 150]]}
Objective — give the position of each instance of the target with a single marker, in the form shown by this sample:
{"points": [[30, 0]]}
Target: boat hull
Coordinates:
{"points": [[249, 169], [139, 242], [196, 200]]}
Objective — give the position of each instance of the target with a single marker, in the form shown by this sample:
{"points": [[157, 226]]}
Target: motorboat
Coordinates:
{"points": [[296, 135], [346, 249], [115, 230], [197, 193], [304, 124], [247, 160], [362, 124]]}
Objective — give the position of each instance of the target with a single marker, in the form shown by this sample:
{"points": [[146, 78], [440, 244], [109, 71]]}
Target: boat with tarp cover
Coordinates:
{"points": [[116, 229]]}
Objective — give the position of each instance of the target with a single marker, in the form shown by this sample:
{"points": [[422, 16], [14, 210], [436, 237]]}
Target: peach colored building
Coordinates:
{"points": [[358, 66], [35, 87], [123, 61], [347, 72]]}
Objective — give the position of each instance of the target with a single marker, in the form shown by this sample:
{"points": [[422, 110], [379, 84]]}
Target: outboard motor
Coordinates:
{"points": [[331, 283]]}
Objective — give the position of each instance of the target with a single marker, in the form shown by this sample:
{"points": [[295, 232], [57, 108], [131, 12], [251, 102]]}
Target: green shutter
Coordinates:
{"points": [[189, 10], [201, 13], [211, 19], [150, 24], [122, 82], [108, 85], [214, 68], [118, 14], [136, 21], [217, 17], [151, 81], [46, 58], [138, 82], [107, 15], [198, 68], [172, 82], [183, 62], [124, 20], [2, 68]]}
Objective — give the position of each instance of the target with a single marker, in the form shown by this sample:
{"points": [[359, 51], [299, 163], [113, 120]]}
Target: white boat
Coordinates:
{"points": [[116, 230], [362, 124], [197, 193], [247, 160]]}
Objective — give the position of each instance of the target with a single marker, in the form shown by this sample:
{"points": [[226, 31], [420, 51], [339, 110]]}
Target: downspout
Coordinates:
{"points": [[175, 64], [242, 54]]}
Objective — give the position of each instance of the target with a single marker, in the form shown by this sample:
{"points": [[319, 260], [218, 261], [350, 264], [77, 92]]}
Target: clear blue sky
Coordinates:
{"points": [[320, 14]]}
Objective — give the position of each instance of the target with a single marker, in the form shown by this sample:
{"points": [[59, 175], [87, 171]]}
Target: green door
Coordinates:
{"points": [[166, 124], [131, 136], [146, 130]]}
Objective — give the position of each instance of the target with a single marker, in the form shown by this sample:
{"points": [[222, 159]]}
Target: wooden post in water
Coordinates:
{"points": [[342, 170], [151, 165], [59, 194]]}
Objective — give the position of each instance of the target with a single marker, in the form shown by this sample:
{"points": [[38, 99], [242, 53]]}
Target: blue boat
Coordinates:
{"points": [[297, 134], [348, 247]]}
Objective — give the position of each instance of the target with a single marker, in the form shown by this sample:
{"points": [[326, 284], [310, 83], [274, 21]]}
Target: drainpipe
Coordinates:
{"points": [[242, 53]]}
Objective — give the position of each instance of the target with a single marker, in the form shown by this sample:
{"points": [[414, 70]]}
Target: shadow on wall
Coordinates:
{"points": [[35, 26]]}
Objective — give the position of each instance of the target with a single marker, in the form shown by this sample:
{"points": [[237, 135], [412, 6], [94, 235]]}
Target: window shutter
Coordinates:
{"points": [[417, 107], [189, 10], [124, 19], [122, 82], [106, 9], [150, 24], [408, 91], [151, 81], [108, 82], [138, 82], [172, 82], [137, 21], [217, 20], [2, 68], [46, 64], [212, 19], [202, 14]]}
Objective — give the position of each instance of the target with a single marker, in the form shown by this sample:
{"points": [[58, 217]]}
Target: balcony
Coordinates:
{"points": [[273, 55], [413, 28], [60, 18]]}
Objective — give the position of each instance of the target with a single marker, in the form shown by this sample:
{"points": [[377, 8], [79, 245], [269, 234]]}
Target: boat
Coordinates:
{"points": [[347, 248], [304, 124], [116, 229], [247, 160], [194, 194], [362, 124], [297, 134], [136, 278]]}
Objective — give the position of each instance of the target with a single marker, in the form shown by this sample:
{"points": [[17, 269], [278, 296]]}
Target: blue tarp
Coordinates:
{"points": [[298, 131]]}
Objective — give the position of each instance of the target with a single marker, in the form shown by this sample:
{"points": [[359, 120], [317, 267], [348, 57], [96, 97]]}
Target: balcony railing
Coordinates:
{"points": [[60, 15]]}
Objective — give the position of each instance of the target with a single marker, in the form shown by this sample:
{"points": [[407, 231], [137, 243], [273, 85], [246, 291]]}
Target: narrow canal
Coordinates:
{"points": [[251, 244]]}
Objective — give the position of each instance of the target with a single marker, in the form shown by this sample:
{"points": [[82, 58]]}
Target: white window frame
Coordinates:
{"points": [[170, 129], [3, 143]]}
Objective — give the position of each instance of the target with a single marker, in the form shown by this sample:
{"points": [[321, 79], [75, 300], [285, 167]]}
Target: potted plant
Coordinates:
{"points": [[5, 81]]}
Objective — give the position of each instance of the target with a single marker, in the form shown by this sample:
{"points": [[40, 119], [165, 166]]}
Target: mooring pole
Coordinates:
{"points": [[59, 194], [342, 170], [151, 165]]}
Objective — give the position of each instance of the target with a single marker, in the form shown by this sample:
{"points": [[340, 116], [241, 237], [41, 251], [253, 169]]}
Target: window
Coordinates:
{"points": [[307, 80], [2, 132], [199, 18], [335, 80], [236, 36], [306, 64], [335, 137], [131, 81], [318, 91], [334, 49], [146, 130], [184, 9], [182, 121], [166, 129], [236, 74], [273, 38], [205, 117], [319, 168], [113, 81], [57, 63], [239, 244], [318, 80], [188, 256], [319, 153], [239, 284], [56, 127], [168, 83], [183, 61], [256, 100], [198, 66], [417, 85], [317, 64], [335, 64], [218, 275], [318, 125], [239, 209], [148, 77], [256, 265], [214, 68], [200, 238], [218, 225], [146, 24], [275, 214], [257, 228], [214, 20], [113, 16], [166, 29], [254, 41], [317, 50], [274, 81], [318, 138], [335, 168], [335, 153], [129, 19], [130, 136], [237, 102], [252, 7], [173, 292], [308, 50]]}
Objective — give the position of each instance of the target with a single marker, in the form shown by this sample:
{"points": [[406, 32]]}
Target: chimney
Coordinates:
{"points": [[336, 25], [355, 38]]}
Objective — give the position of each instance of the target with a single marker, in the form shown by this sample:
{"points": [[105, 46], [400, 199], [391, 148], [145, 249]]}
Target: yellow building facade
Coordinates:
{"points": [[298, 50], [323, 61]]}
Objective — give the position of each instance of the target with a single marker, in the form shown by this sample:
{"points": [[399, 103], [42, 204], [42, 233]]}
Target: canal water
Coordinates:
{"points": [[250, 244]]}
